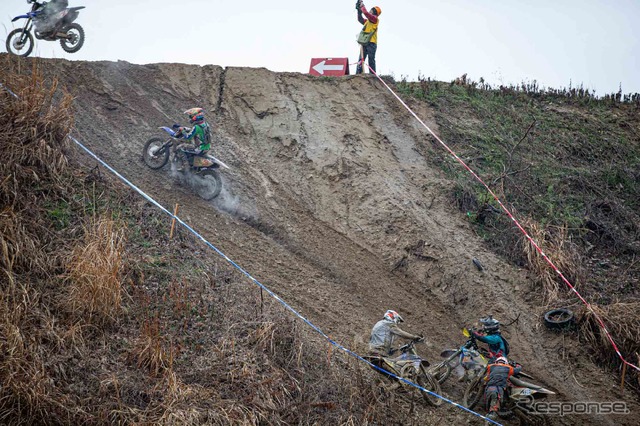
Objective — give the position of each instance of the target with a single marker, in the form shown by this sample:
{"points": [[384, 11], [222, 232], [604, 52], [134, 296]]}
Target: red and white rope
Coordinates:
{"points": [[515, 221]]}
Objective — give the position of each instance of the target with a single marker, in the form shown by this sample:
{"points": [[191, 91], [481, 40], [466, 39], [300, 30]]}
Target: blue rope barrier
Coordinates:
{"points": [[259, 284]]}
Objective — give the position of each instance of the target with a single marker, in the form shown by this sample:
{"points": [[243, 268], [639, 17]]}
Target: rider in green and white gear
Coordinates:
{"points": [[199, 136]]}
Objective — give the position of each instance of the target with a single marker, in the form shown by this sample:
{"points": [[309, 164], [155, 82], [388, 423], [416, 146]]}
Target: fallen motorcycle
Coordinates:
{"points": [[467, 361], [410, 366], [519, 396], [51, 27], [202, 173]]}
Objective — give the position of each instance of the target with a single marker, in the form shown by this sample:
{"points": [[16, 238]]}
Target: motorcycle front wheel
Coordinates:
{"points": [[473, 392], [210, 185], [19, 42], [74, 40], [430, 383], [154, 154], [441, 371]]}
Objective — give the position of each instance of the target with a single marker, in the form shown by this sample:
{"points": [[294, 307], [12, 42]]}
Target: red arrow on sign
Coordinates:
{"points": [[329, 66]]}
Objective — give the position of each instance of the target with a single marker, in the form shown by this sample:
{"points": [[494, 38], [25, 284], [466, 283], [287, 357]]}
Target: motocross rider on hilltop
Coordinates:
{"points": [[200, 133], [497, 377], [48, 10], [490, 334]]}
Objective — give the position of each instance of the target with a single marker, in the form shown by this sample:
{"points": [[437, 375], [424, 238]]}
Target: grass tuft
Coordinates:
{"points": [[95, 273]]}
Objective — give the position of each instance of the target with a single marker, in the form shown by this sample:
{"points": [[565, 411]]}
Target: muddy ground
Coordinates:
{"points": [[331, 202]]}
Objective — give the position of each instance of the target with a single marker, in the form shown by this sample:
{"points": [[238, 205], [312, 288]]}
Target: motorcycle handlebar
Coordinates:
{"points": [[407, 346]]}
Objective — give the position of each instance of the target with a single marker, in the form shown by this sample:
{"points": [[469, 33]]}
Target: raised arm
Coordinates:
{"points": [[372, 18], [358, 7]]}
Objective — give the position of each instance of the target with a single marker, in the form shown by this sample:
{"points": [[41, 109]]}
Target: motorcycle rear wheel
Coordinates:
{"points": [[153, 155], [211, 186], [473, 392], [75, 40], [27, 43]]}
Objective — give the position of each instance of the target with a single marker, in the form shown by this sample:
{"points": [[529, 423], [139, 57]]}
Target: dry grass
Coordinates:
{"points": [[34, 129], [623, 322], [152, 352], [556, 244], [95, 273], [191, 348]]}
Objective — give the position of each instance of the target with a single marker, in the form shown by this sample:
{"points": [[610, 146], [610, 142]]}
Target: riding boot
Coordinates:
{"points": [[179, 162]]}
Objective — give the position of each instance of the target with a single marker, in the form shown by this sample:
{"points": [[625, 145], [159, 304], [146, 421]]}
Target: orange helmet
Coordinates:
{"points": [[378, 10]]}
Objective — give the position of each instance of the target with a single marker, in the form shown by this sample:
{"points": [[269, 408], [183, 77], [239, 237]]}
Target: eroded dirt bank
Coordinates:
{"points": [[332, 203]]}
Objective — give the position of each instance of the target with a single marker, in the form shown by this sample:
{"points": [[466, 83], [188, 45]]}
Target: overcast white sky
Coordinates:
{"points": [[593, 42]]}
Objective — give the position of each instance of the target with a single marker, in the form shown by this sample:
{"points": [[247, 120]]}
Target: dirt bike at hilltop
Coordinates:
{"points": [[51, 22], [409, 365], [203, 171]]}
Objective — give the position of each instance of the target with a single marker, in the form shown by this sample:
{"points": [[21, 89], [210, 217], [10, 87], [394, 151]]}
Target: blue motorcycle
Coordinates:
{"points": [[203, 171], [47, 21]]}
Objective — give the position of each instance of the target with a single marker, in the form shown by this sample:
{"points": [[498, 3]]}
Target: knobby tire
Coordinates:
{"points": [[473, 392], [29, 42], [209, 177], [73, 48], [151, 161]]}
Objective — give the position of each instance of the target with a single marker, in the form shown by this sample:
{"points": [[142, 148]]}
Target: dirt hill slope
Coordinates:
{"points": [[332, 203]]}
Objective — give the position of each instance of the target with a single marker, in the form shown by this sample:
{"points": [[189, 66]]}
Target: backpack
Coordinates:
{"points": [[207, 134], [506, 345]]}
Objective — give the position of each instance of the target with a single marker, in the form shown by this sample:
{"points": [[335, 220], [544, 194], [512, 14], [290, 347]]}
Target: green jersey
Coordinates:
{"points": [[202, 135]]}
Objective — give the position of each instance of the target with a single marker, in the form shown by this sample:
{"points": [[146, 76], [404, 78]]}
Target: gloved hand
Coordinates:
{"points": [[358, 4], [420, 338]]}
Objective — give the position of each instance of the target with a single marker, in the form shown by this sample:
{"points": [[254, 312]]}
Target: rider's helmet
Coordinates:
{"points": [[502, 360], [378, 10], [196, 115], [490, 325], [393, 316]]}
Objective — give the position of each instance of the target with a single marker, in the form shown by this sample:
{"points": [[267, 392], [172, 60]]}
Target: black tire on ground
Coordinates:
{"points": [[27, 45], [473, 392], [74, 44], [153, 157], [211, 186], [559, 319]]}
